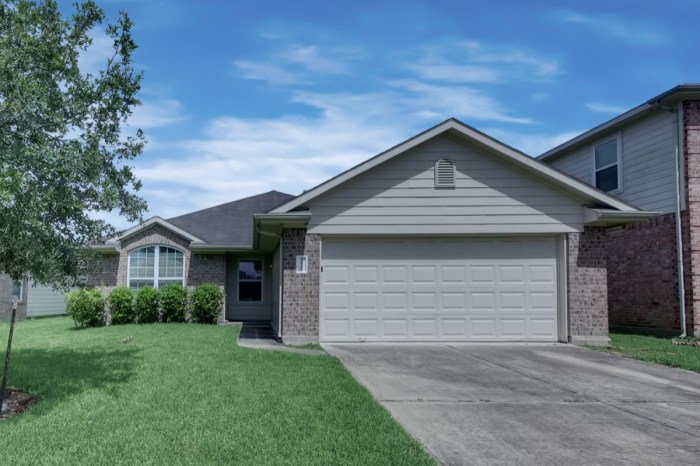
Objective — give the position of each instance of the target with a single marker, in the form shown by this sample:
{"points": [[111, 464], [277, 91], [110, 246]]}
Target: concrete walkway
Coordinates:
{"points": [[264, 338], [533, 404]]}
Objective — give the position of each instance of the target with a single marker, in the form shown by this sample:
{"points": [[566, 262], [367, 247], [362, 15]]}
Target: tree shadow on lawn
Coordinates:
{"points": [[54, 374]]}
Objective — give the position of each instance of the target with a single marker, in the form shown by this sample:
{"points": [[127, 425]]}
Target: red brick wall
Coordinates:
{"points": [[691, 149], [643, 276]]}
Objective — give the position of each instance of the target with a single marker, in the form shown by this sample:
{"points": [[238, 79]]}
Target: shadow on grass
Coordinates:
{"points": [[52, 375]]}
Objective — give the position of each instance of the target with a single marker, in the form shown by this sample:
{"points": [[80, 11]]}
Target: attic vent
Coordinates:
{"points": [[444, 174]]}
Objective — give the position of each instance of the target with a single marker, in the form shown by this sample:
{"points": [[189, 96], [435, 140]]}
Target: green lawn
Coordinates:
{"points": [[654, 349], [186, 394]]}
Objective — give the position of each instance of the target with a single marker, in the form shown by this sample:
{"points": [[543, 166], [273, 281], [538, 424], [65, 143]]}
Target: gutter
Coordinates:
{"points": [[679, 228]]}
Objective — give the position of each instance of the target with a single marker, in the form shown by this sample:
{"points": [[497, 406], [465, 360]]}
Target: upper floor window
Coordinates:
{"points": [[606, 165], [156, 266], [444, 174]]}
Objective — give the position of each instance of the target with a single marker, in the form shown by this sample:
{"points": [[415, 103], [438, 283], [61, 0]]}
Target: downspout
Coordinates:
{"points": [[679, 227], [281, 279]]}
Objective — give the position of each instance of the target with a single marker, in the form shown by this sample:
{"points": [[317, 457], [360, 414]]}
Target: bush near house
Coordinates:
{"points": [[146, 305], [173, 303], [86, 307], [206, 303], [121, 306]]}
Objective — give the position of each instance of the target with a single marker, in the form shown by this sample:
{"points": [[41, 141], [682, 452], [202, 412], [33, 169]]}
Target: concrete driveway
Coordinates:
{"points": [[533, 404]]}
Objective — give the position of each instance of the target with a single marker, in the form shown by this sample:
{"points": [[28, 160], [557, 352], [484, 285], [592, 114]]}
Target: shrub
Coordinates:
{"points": [[86, 307], [206, 303], [146, 305], [121, 306], [173, 303]]}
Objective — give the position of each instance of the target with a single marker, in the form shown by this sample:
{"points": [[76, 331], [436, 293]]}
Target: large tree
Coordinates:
{"points": [[64, 142]]}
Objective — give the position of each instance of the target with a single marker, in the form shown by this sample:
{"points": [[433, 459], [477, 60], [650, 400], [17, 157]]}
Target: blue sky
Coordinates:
{"points": [[241, 97]]}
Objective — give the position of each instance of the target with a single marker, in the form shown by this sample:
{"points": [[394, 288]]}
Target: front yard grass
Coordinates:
{"points": [[654, 349], [186, 394]]}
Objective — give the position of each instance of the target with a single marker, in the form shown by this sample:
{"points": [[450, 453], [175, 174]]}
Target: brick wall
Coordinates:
{"points": [[643, 276], [103, 271], [207, 268], [300, 291], [110, 270], [588, 287], [691, 149]]}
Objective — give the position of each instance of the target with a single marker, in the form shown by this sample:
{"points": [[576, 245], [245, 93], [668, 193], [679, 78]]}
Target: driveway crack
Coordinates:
{"points": [[650, 419]]}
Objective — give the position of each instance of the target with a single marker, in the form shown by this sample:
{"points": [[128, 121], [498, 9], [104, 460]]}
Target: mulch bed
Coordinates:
{"points": [[18, 402]]}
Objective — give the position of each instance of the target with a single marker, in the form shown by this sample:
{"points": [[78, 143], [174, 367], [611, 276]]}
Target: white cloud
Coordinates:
{"points": [[604, 108], [298, 64], [97, 54], [453, 101], [156, 113], [532, 144], [615, 26], [473, 62], [239, 158], [270, 72], [531, 63], [310, 59], [453, 73]]}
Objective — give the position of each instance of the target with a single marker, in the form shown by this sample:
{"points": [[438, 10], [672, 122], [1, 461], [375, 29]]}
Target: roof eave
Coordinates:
{"points": [[213, 248], [608, 217]]}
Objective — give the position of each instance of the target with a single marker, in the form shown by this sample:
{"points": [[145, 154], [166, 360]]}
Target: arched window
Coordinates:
{"points": [[156, 266], [444, 174]]}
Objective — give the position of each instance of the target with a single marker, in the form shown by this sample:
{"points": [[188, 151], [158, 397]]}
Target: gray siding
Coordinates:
{"points": [[399, 197], [44, 301], [648, 170]]}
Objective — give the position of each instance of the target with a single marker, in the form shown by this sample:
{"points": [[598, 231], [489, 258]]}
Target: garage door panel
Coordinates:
{"points": [[439, 290]]}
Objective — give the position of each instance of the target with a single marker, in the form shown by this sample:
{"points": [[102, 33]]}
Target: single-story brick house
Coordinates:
{"points": [[448, 236]]}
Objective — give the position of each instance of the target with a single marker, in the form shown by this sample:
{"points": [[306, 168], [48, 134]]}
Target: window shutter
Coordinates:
{"points": [[444, 174]]}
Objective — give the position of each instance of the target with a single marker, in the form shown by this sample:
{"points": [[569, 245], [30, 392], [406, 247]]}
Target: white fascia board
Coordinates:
{"points": [[159, 221], [610, 217], [570, 184]]}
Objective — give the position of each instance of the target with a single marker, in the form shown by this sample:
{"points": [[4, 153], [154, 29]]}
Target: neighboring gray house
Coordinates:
{"points": [[650, 158], [32, 300], [449, 236]]}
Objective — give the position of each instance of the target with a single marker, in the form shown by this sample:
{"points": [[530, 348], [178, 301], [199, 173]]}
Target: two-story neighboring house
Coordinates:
{"points": [[650, 158]]}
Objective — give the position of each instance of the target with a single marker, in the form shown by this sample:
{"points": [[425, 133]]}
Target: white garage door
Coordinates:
{"points": [[439, 290]]}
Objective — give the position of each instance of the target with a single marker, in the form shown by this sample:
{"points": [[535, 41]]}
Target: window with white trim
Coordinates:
{"points": [[444, 174], [606, 165], [156, 266], [18, 290], [250, 281]]}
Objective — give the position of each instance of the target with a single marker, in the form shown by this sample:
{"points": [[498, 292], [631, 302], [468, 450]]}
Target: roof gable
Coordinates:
{"points": [[150, 222], [496, 148]]}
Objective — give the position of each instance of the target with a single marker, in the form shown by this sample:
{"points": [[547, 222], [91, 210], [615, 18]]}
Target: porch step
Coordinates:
{"points": [[256, 323]]}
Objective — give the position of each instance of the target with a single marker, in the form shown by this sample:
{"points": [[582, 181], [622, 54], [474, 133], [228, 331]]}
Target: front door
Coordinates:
{"points": [[248, 296]]}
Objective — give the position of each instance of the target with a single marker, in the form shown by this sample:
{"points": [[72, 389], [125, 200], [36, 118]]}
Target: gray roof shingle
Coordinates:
{"points": [[230, 224]]}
